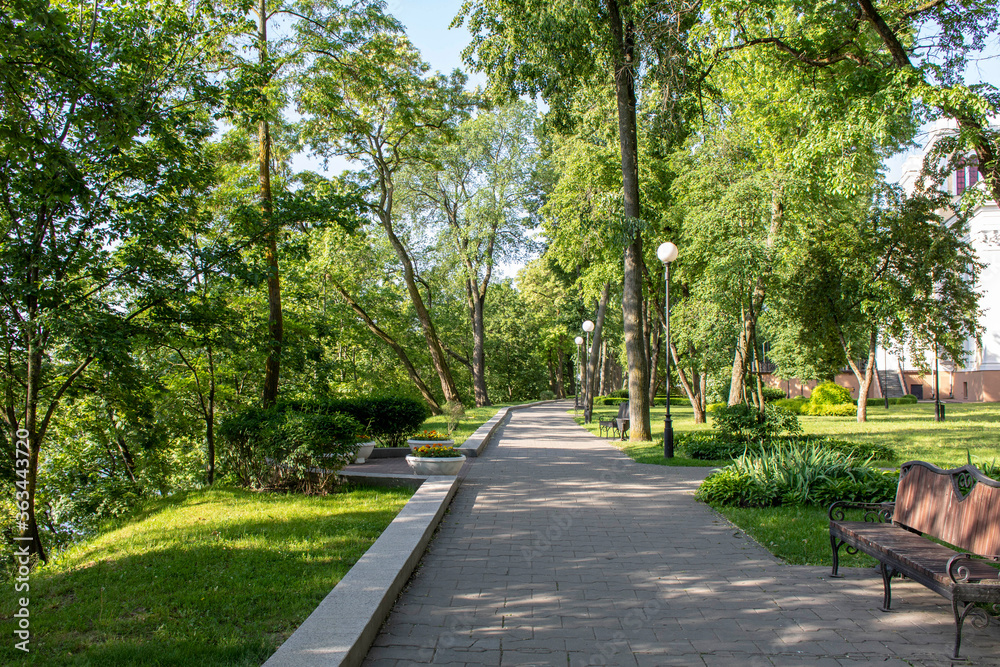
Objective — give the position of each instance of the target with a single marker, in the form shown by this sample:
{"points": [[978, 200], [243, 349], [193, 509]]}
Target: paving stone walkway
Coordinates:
{"points": [[559, 550]]}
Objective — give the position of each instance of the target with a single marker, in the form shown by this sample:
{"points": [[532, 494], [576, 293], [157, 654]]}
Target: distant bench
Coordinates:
{"points": [[960, 507]]}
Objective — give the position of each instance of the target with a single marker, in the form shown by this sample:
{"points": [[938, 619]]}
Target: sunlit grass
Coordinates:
{"points": [[909, 429], [219, 577], [799, 535], [474, 418]]}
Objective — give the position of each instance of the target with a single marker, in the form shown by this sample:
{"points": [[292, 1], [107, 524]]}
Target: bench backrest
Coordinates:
{"points": [[623, 410], [959, 506]]}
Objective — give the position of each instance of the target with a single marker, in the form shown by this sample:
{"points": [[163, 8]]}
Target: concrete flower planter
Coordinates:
{"points": [[364, 451], [425, 465]]}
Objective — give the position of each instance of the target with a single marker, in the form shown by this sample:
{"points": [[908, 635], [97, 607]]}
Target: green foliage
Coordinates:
{"points": [[830, 393], [745, 424], [828, 410], [390, 420], [706, 447], [773, 394], [795, 405], [796, 475], [546, 395], [286, 448]]}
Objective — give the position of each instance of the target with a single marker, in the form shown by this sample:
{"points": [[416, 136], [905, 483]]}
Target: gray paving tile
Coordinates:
{"points": [[559, 550]]}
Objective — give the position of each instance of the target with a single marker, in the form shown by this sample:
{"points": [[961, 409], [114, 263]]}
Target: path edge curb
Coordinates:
{"points": [[342, 628]]}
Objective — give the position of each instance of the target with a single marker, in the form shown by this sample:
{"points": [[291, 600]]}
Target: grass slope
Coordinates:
{"points": [[218, 577]]}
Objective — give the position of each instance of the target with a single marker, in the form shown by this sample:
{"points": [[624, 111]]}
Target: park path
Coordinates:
{"points": [[559, 550]]}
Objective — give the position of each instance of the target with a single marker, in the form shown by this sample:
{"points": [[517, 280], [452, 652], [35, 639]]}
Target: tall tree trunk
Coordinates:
{"points": [[595, 347], [560, 369], [864, 379], [438, 359], [411, 370], [29, 529], [692, 388], [210, 416], [602, 388], [655, 347], [477, 304], [275, 324], [625, 66]]}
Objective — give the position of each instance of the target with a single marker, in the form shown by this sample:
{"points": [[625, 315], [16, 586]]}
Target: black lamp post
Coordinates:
{"points": [[579, 372], [588, 326], [667, 252], [885, 369]]}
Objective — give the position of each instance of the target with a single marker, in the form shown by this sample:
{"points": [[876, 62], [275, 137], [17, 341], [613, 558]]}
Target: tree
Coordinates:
{"points": [[481, 188], [888, 55], [895, 267], [104, 119], [374, 104]]}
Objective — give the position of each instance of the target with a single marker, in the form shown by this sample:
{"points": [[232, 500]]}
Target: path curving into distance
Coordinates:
{"points": [[559, 550]]}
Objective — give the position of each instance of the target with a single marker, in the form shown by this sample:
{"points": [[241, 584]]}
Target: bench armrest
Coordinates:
{"points": [[874, 512], [958, 566]]}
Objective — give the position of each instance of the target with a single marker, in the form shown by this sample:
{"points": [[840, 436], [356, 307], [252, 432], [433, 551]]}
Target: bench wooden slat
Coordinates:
{"points": [[910, 550], [929, 500]]}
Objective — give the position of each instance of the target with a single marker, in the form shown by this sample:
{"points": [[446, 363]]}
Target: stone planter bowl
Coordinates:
{"points": [[364, 451], [425, 465]]}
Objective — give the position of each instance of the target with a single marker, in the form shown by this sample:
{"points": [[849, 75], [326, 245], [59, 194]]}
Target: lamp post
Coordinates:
{"points": [[588, 326], [938, 416], [579, 372], [667, 252], [885, 369]]}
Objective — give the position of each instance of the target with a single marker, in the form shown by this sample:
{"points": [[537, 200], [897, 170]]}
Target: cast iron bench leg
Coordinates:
{"points": [[887, 575], [835, 544]]}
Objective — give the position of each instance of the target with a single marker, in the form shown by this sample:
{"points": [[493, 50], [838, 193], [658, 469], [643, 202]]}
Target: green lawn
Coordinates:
{"points": [[219, 577], [909, 429]]}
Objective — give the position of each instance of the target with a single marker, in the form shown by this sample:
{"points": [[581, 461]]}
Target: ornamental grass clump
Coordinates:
{"points": [[437, 452], [791, 474]]}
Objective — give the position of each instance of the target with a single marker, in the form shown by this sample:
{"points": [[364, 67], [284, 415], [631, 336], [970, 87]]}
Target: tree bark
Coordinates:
{"points": [[477, 304], [624, 56], [694, 389], [560, 369], [864, 379], [595, 349], [275, 322], [411, 370]]}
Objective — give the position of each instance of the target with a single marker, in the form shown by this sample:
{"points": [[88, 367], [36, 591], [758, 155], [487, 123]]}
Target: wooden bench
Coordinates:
{"points": [[616, 424], [960, 507]]}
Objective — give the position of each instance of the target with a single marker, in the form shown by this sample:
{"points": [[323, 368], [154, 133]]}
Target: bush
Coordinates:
{"points": [[826, 410], [744, 423], [389, 420], [830, 393], [794, 405], [706, 447], [619, 393], [709, 448], [712, 407], [909, 399], [282, 448], [546, 395], [791, 474], [772, 394]]}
